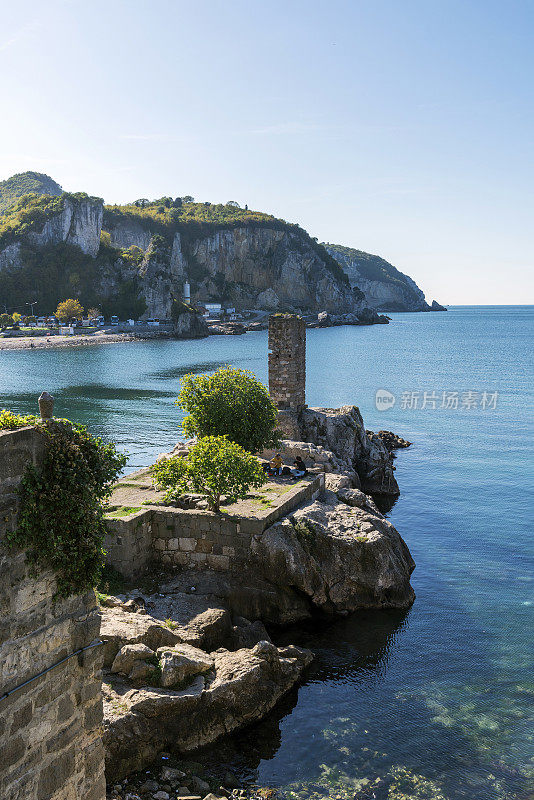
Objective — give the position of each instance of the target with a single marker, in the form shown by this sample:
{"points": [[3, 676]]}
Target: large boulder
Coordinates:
{"points": [[341, 557], [245, 685], [128, 655]]}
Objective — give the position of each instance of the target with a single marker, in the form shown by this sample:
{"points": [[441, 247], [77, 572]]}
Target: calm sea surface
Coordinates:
{"points": [[431, 704]]}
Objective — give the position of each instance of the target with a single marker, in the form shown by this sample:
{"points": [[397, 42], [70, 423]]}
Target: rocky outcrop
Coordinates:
{"points": [[342, 432], [391, 440], [436, 306], [239, 688], [340, 553], [385, 287]]}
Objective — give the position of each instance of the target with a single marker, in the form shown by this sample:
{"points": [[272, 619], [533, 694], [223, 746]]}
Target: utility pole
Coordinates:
{"points": [[32, 304]]}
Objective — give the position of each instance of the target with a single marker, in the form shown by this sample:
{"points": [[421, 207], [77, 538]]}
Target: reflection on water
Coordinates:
{"points": [[431, 705]]}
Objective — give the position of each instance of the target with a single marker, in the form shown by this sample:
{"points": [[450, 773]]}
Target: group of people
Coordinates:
{"points": [[276, 467]]}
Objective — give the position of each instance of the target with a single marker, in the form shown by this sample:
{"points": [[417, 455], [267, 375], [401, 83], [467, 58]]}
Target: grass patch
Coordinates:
{"points": [[122, 511]]}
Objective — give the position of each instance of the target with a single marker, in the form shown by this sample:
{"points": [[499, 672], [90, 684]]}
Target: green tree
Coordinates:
{"points": [[69, 309], [17, 317], [214, 467], [5, 321], [231, 402]]}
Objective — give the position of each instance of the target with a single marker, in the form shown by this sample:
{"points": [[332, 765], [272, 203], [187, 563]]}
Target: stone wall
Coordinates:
{"points": [[50, 729], [287, 361], [194, 538]]}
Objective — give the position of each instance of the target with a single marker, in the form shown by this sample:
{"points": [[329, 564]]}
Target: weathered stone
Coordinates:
{"points": [[342, 431], [245, 686], [341, 558], [181, 662], [128, 655], [287, 361]]}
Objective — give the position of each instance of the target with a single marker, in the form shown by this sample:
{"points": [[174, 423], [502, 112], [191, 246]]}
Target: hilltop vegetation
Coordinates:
{"points": [[26, 183], [195, 220], [369, 266]]}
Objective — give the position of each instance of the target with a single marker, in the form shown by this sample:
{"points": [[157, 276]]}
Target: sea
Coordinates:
{"points": [[434, 703]]}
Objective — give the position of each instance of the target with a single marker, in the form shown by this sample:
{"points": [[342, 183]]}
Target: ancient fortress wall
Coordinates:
{"points": [[50, 728]]}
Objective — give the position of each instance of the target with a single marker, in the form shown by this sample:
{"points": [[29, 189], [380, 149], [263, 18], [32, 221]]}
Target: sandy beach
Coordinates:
{"points": [[47, 342]]}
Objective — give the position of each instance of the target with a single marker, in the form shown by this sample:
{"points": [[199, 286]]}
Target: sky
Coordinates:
{"points": [[403, 128]]}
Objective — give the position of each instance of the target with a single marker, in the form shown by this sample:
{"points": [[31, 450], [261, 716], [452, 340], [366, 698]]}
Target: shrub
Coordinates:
{"points": [[10, 421], [214, 467], [231, 402]]}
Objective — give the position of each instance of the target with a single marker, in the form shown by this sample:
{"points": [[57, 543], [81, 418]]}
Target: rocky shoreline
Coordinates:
{"points": [[188, 658]]}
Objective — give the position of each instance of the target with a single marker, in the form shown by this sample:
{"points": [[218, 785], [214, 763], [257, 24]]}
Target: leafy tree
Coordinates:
{"points": [[17, 317], [93, 312], [69, 309], [188, 199], [214, 467], [231, 402], [5, 321], [233, 203]]}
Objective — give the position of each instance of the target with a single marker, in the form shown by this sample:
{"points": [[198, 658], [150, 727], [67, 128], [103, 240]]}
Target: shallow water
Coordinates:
{"points": [[445, 691]]}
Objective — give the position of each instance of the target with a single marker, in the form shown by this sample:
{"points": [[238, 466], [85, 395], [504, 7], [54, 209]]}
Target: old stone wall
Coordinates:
{"points": [[194, 538], [287, 361], [50, 729]]}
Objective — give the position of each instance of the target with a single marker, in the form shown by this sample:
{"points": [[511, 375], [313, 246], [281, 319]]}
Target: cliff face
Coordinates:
{"points": [[79, 224], [133, 261], [245, 267], [385, 288]]}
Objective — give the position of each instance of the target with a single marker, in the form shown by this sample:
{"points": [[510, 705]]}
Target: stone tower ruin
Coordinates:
{"points": [[287, 361]]}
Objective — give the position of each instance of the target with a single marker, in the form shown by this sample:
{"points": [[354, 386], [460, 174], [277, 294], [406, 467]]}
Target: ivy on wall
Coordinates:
{"points": [[60, 518]]}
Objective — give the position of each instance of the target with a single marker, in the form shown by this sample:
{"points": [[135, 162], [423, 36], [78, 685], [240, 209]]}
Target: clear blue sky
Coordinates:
{"points": [[400, 127]]}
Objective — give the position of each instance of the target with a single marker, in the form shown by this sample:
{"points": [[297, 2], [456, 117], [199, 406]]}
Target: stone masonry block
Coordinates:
{"points": [[187, 544]]}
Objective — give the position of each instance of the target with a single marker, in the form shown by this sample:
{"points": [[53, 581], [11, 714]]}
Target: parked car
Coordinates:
{"points": [[114, 320], [154, 322]]}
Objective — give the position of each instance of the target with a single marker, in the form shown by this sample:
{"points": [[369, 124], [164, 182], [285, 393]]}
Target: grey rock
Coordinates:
{"points": [[181, 662], [171, 774], [245, 686], [341, 558], [128, 655], [202, 787]]}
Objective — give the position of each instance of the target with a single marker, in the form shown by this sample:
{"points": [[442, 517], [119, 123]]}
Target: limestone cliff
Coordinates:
{"points": [[245, 266], [133, 260], [385, 288], [78, 223]]}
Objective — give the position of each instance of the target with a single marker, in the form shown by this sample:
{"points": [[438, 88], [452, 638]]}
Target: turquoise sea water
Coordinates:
{"points": [[435, 703]]}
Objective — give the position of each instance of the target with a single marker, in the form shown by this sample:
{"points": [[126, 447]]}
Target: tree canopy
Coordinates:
{"points": [[231, 402], [69, 309], [215, 467]]}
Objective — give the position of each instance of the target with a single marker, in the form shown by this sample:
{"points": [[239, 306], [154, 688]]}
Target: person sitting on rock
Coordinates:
{"points": [[276, 465], [300, 468]]}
